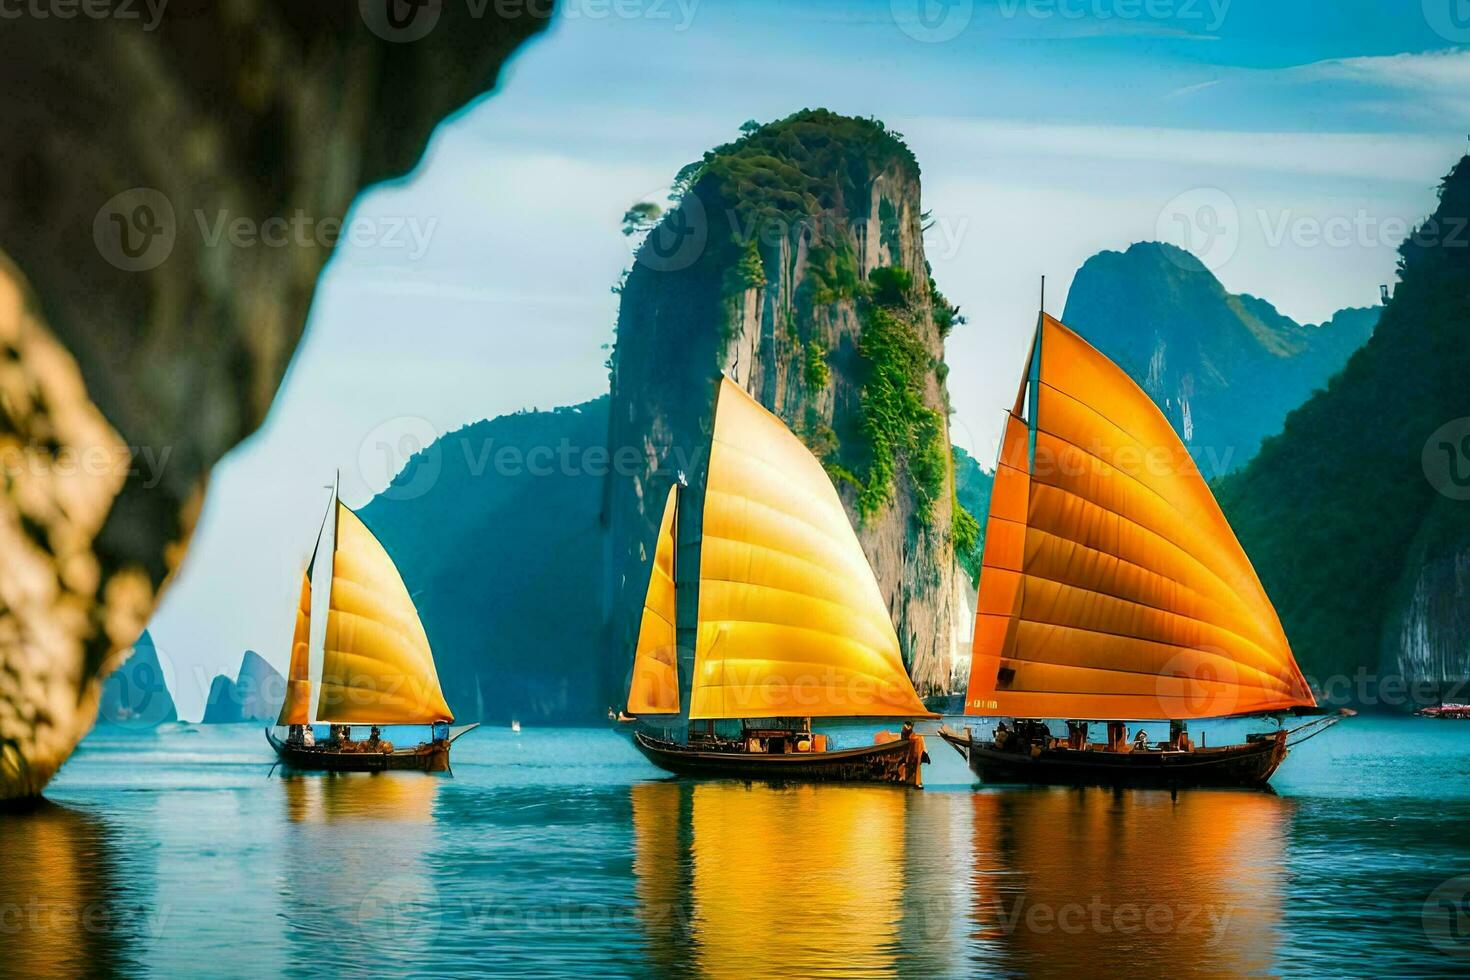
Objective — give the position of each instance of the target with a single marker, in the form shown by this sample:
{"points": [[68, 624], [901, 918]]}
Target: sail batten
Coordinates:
{"points": [[791, 621], [654, 688], [377, 666], [1117, 588]]}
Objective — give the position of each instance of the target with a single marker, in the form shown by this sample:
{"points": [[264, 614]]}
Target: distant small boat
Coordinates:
{"points": [[515, 726], [1446, 712], [359, 643], [1112, 589], [791, 624]]}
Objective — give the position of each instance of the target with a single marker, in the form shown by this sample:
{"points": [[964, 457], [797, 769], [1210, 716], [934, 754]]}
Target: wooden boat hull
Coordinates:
{"points": [[429, 757], [1248, 765], [890, 762]]}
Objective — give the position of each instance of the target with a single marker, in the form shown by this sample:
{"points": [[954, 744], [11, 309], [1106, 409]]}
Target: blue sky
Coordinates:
{"points": [[1290, 144]]}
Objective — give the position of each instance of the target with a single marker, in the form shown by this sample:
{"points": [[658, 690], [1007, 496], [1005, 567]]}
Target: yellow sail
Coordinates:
{"points": [[296, 709], [377, 667], [655, 685], [791, 620], [1119, 591]]}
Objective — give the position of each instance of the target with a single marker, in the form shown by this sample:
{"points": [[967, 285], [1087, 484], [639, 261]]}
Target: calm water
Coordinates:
{"points": [[562, 852]]}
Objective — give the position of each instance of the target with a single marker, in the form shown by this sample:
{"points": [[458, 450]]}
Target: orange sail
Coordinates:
{"points": [[296, 709], [655, 685], [1112, 586]]}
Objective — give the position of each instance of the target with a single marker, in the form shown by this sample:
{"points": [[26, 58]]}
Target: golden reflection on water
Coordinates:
{"points": [[60, 913], [1103, 883], [737, 880], [331, 798]]}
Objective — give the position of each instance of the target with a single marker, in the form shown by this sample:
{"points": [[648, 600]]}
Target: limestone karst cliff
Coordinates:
{"points": [[794, 264], [124, 331]]}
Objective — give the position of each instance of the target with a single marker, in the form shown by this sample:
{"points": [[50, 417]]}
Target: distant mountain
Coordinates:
{"points": [[136, 694], [255, 695], [1226, 369], [1357, 516], [495, 529]]}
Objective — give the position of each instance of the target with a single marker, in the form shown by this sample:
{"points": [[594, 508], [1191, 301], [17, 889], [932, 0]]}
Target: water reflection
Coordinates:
{"points": [[1104, 883], [357, 897], [739, 880], [63, 904]]}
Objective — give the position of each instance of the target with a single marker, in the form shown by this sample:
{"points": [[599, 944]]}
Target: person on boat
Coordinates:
{"points": [[1140, 741], [375, 738]]}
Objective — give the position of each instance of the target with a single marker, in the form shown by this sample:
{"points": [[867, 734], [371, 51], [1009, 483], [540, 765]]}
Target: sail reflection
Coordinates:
{"points": [[1109, 883], [355, 885], [62, 911], [741, 880]]}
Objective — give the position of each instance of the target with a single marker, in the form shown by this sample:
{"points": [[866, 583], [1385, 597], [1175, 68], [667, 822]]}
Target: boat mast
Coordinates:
{"points": [[323, 563]]}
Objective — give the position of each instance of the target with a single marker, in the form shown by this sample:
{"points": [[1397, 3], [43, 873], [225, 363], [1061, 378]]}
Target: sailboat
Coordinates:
{"points": [[791, 624], [1112, 589], [360, 646]]}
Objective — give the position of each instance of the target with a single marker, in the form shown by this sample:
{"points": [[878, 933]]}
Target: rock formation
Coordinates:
{"points": [[794, 264], [1225, 369], [136, 694], [255, 695], [1357, 516], [137, 349]]}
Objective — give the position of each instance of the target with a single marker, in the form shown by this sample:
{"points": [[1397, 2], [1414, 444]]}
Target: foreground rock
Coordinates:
{"points": [[130, 342]]}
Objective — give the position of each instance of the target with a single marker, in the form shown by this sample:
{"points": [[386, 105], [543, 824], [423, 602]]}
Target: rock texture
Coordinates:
{"points": [[255, 695], [765, 272], [123, 326], [1357, 516], [1225, 369]]}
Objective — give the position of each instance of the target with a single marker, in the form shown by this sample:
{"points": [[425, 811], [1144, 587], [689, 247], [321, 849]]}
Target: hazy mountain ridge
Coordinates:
{"points": [[1225, 368]]}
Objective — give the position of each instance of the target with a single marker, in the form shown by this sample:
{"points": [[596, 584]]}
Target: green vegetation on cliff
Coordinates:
{"points": [[972, 498], [1336, 512]]}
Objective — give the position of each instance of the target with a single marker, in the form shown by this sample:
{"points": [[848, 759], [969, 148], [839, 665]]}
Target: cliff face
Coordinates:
{"points": [[1357, 516], [1225, 369], [794, 264], [136, 350]]}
